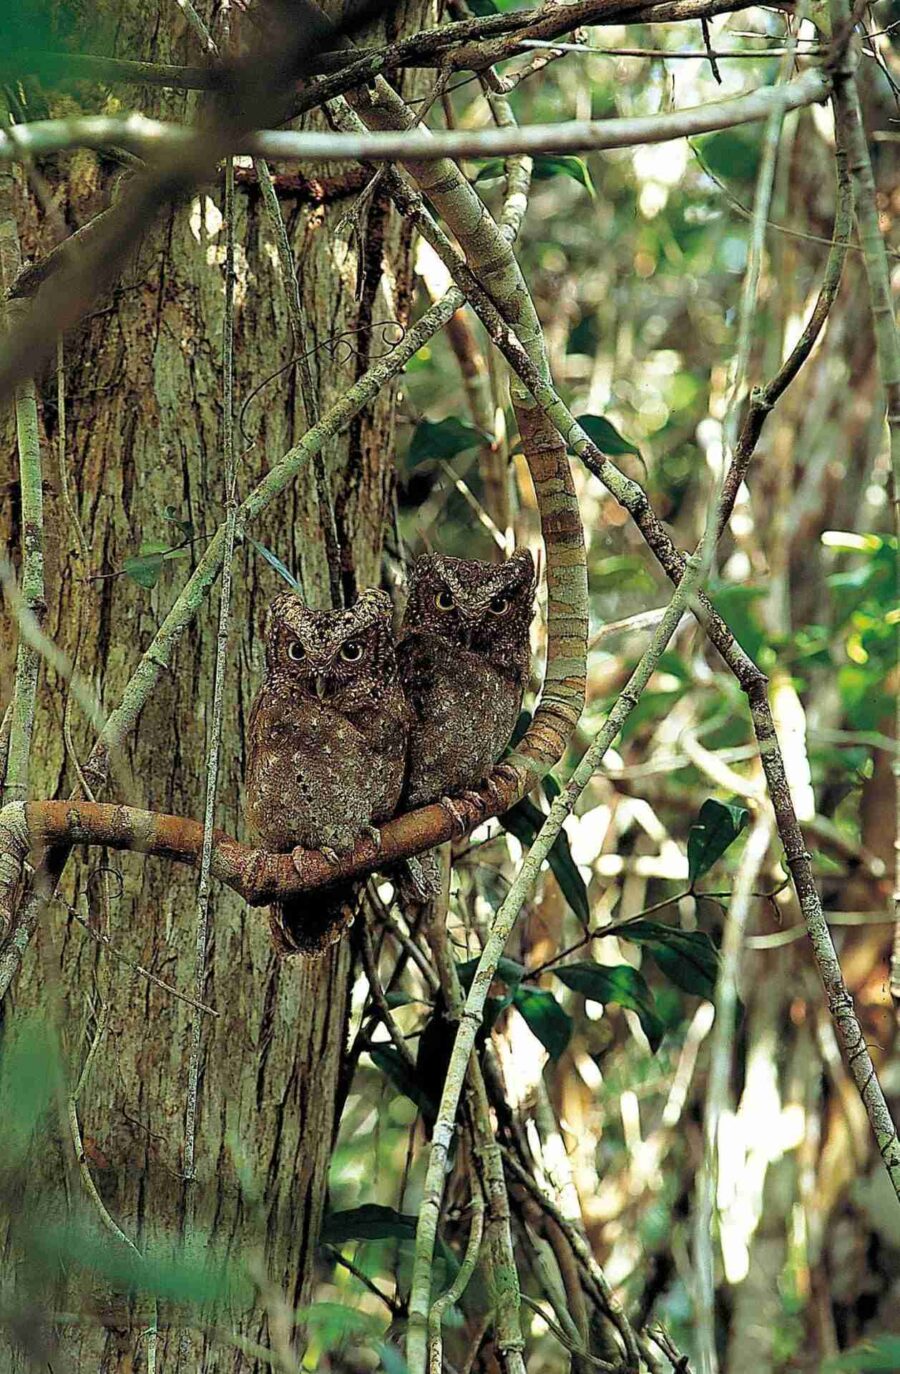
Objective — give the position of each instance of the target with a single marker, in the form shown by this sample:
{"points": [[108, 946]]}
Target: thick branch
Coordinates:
{"points": [[152, 138], [255, 874]]}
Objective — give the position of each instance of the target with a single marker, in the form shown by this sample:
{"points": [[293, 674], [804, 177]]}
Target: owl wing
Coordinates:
{"points": [[418, 657]]}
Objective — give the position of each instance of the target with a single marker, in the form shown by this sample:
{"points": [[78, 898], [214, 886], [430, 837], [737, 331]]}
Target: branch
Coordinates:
{"points": [[157, 658], [152, 138], [14, 778]]}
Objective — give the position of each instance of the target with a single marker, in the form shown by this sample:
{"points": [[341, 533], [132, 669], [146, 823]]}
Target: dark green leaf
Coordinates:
{"points": [[715, 830], [569, 166], [392, 1362], [687, 958], [491, 169], [369, 1222], [621, 985], [878, 1356], [507, 970], [193, 1274], [144, 569], [386, 1058], [482, 8], [524, 820], [443, 439], [606, 436], [274, 561], [545, 1017], [28, 1069], [171, 514]]}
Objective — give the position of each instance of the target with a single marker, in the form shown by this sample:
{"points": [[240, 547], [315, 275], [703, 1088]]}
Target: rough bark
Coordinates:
{"points": [[144, 432]]}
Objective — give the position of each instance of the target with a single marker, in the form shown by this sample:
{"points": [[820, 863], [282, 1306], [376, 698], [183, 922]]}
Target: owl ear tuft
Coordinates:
{"points": [[372, 597]]}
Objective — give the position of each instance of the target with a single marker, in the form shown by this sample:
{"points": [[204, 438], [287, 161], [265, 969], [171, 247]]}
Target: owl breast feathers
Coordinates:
{"points": [[463, 654], [327, 747]]}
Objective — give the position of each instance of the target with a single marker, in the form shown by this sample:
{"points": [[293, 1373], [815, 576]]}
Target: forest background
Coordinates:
{"points": [[230, 365]]}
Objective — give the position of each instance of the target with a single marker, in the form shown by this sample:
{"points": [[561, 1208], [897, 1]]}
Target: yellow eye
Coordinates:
{"points": [[444, 600], [296, 651], [499, 605], [352, 651]]}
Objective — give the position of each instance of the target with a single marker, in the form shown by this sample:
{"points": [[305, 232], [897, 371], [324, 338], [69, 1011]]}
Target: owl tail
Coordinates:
{"points": [[311, 924], [418, 879]]}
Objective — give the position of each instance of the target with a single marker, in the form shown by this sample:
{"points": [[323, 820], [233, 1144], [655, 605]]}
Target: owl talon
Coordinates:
{"points": [[331, 855], [374, 835], [458, 816]]}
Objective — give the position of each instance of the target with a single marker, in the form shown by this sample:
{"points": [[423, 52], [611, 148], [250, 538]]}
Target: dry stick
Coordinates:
{"points": [[763, 399], [488, 249], [215, 743], [308, 394], [765, 181], [752, 681], [726, 1000], [459, 1284], [152, 138], [848, 116], [499, 1250], [520, 890], [349, 68], [157, 659], [455, 44], [32, 518], [62, 459]]}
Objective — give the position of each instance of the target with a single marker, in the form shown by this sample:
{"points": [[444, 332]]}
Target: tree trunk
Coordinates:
{"points": [[144, 433]]}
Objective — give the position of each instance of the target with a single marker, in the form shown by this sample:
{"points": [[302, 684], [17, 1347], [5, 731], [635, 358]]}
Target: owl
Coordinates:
{"points": [[463, 652], [327, 748]]}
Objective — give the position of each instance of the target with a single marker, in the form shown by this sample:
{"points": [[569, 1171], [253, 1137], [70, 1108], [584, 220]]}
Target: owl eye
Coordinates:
{"points": [[296, 651], [499, 605], [352, 651], [444, 600]]}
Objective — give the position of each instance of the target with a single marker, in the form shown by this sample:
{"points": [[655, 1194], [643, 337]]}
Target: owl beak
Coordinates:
{"points": [[321, 686]]}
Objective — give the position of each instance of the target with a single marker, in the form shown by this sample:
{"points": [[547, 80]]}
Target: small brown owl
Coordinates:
{"points": [[463, 652], [326, 749]]}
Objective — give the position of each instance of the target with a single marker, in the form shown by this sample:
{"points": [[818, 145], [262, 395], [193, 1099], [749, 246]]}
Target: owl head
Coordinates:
{"points": [[344, 659], [483, 607]]}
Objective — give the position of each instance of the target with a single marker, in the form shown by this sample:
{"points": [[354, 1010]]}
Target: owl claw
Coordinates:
{"points": [[458, 817], [374, 835], [331, 855]]}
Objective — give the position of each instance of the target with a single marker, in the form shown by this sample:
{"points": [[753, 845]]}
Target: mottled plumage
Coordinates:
{"points": [[463, 653], [326, 750]]}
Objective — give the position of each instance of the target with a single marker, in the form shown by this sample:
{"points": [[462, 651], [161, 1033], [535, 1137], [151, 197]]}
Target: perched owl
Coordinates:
{"points": [[326, 750], [463, 652]]}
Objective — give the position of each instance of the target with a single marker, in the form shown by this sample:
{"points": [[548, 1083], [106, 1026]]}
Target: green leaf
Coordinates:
{"points": [[715, 830], [879, 1356], [145, 567], [392, 1362], [274, 561], [193, 1274], [482, 8], [622, 985], [687, 958], [28, 1070], [368, 1222], [544, 167], [443, 439], [171, 514], [491, 169], [524, 820], [574, 167], [545, 1017], [386, 1058], [508, 970], [606, 436]]}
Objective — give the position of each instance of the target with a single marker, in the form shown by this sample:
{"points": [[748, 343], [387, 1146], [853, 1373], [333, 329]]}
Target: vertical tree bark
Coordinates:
{"points": [[144, 434]]}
